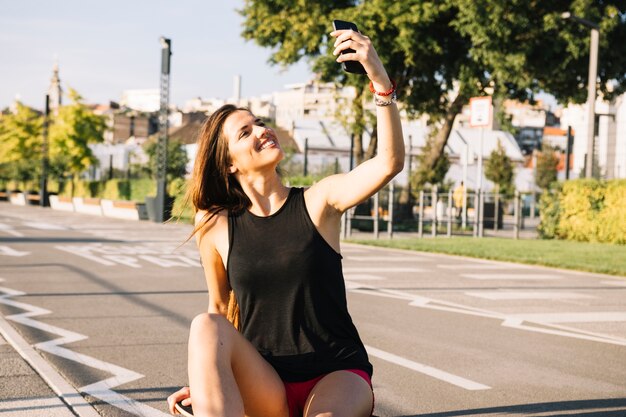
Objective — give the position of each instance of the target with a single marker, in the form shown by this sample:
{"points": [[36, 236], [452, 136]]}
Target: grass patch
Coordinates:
{"points": [[593, 257]]}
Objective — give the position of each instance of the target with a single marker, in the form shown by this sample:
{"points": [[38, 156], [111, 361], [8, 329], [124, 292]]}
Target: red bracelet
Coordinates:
{"points": [[384, 93]]}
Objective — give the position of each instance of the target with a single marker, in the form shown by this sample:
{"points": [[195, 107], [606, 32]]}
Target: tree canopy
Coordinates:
{"points": [[72, 130], [20, 144], [443, 52], [177, 159], [499, 170], [547, 163]]}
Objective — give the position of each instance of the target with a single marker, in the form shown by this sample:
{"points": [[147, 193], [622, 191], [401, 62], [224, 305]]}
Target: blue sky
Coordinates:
{"points": [[109, 46]]}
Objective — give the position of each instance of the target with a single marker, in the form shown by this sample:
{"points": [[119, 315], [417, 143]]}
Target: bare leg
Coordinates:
{"points": [[227, 376], [340, 394]]}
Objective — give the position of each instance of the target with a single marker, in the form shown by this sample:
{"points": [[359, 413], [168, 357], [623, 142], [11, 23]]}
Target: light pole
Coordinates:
{"points": [[591, 87], [162, 201], [43, 187]]}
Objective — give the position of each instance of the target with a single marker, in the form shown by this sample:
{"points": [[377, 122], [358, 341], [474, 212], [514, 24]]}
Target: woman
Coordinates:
{"points": [[277, 249]]}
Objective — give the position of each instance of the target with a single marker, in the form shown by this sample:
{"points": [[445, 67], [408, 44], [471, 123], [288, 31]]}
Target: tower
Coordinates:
{"points": [[54, 91]]}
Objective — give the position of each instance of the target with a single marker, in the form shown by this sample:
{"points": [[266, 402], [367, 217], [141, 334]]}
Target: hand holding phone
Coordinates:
{"points": [[354, 67]]}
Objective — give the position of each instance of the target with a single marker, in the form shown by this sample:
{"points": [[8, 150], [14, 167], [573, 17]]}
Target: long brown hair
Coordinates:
{"points": [[211, 188]]}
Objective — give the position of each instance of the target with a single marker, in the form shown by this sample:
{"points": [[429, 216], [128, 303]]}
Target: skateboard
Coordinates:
{"points": [[187, 411], [184, 410]]}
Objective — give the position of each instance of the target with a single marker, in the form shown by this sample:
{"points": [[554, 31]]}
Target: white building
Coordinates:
{"points": [[147, 100], [610, 139]]}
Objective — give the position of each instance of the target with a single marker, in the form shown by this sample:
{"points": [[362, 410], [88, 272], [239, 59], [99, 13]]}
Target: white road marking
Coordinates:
{"points": [[7, 251], [85, 254], [363, 277], [103, 390], [163, 255], [527, 295], [512, 321], [384, 259], [8, 229], [426, 370], [512, 277], [53, 407], [616, 283], [480, 266], [44, 226], [589, 317], [366, 269]]}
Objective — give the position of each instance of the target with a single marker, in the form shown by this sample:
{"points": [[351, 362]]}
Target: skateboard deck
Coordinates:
{"points": [[184, 410]]}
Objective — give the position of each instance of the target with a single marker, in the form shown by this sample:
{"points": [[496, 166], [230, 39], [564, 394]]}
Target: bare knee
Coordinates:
{"points": [[207, 327]]}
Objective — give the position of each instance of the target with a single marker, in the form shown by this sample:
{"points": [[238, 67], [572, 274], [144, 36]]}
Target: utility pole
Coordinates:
{"points": [[43, 186], [161, 196], [591, 87]]}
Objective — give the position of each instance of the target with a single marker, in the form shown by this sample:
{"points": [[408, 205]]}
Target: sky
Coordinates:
{"points": [[106, 47]]}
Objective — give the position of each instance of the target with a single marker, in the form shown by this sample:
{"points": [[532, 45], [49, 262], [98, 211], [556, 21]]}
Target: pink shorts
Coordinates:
{"points": [[298, 392]]}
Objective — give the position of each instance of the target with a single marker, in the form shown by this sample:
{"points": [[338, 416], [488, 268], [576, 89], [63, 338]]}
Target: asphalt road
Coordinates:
{"points": [[107, 303]]}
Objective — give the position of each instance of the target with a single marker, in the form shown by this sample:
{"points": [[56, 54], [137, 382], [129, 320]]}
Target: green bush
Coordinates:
{"points": [[182, 209], [612, 219], [585, 210], [141, 188], [116, 190], [83, 188], [580, 203], [549, 213]]}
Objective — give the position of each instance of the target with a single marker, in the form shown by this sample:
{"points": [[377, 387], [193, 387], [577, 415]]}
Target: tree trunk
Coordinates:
{"points": [[444, 132], [358, 126], [358, 148], [373, 145]]}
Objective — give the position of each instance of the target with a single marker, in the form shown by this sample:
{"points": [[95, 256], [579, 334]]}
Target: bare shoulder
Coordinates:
{"points": [[210, 226], [319, 195]]}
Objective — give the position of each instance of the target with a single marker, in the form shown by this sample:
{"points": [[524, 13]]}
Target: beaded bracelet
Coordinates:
{"points": [[384, 93], [386, 101]]}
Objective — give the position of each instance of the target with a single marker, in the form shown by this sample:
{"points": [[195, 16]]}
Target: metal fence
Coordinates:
{"points": [[431, 213]]}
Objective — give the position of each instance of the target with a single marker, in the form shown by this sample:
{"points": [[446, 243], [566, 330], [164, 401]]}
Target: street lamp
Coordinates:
{"points": [[43, 187], [162, 200], [591, 87]]}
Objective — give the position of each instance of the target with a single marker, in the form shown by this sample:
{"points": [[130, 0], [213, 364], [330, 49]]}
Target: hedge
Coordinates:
{"points": [[585, 210]]}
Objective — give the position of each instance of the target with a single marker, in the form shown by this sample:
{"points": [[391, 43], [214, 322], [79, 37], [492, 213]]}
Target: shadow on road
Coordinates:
{"points": [[587, 408], [112, 289]]}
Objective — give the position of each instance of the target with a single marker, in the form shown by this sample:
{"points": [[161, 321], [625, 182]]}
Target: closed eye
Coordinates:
{"points": [[247, 130]]}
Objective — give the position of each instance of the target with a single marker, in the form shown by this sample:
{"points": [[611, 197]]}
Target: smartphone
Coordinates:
{"points": [[354, 67]]}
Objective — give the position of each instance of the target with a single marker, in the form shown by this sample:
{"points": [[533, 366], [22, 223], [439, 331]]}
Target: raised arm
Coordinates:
{"points": [[343, 191]]}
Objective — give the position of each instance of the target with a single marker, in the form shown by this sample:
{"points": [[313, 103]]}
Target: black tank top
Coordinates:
{"points": [[291, 293]]}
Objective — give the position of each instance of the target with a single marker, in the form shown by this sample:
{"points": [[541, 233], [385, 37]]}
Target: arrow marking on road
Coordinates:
{"points": [[103, 390], [367, 269], [44, 226], [5, 250], [8, 229], [527, 295], [539, 323], [510, 276]]}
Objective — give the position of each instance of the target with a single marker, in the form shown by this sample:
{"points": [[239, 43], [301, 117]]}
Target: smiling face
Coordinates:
{"points": [[252, 146]]}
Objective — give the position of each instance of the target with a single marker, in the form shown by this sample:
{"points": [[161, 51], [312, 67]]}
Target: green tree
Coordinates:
{"points": [[72, 130], [499, 170], [20, 144], [547, 162], [443, 52], [177, 159], [435, 176]]}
